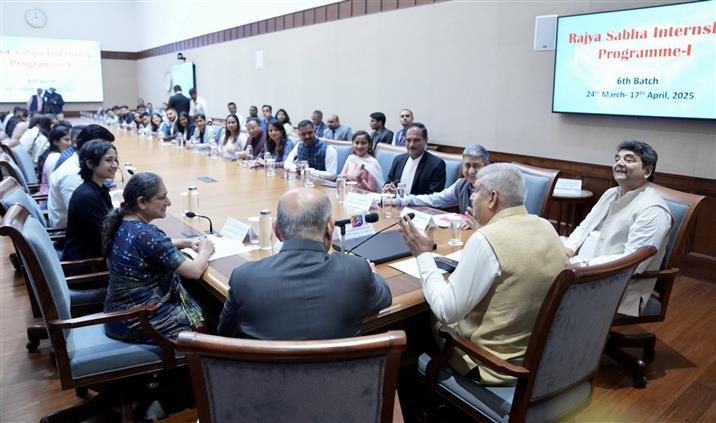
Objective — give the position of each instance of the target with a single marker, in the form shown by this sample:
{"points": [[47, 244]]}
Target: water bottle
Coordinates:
{"points": [[265, 235], [192, 200], [180, 140]]}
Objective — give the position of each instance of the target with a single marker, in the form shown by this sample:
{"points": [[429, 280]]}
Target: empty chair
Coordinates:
{"points": [[556, 375], [338, 380], [8, 167], [540, 184]]}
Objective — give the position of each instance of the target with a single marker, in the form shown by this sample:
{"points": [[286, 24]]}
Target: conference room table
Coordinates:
{"points": [[240, 192]]}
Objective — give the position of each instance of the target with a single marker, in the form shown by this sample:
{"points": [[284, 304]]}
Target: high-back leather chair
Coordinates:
{"points": [[8, 167], [336, 380], [540, 184], [453, 166], [85, 357], [683, 208], [385, 154], [343, 150], [24, 162], [556, 375]]}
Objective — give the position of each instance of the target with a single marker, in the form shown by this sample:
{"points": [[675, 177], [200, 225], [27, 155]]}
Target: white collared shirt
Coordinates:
{"points": [[199, 107], [408, 175], [63, 182], [478, 269]]}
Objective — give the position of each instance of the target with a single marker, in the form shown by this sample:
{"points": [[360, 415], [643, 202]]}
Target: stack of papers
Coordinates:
{"points": [[223, 247]]}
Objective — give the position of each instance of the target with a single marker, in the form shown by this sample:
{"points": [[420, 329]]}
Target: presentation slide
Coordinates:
{"points": [[183, 75], [657, 61], [72, 67]]}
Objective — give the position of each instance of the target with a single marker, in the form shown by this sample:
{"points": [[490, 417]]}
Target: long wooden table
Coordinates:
{"points": [[240, 193]]}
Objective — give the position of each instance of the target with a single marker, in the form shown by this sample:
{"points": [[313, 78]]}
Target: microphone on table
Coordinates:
{"points": [[410, 215], [355, 221], [191, 214], [358, 220]]}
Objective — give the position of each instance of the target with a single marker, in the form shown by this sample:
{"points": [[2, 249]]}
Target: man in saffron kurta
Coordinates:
{"points": [[495, 293]]}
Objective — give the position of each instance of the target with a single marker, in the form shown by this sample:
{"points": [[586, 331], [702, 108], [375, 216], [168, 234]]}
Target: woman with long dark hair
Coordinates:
{"points": [[59, 141], [278, 143], [145, 265]]}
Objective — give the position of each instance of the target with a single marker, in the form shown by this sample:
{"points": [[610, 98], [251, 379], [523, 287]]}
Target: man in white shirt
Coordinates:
{"points": [[66, 178], [418, 170], [321, 157], [625, 218], [508, 264], [198, 104]]}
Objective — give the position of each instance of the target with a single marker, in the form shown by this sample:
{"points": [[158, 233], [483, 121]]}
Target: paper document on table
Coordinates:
{"points": [[410, 266], [223, 247], [568, 187]]}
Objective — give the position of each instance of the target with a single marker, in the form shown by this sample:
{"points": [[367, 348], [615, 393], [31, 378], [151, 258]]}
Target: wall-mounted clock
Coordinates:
{"points": [[36, 18]]}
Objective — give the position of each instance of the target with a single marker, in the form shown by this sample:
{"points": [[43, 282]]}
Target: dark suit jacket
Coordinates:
{"points": [[302, 293], [429, 177], [180, 103]]}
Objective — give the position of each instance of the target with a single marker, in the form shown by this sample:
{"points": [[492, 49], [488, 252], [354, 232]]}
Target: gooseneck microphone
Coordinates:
{"points": [[191, 214], [358, 219], [410, 215]]}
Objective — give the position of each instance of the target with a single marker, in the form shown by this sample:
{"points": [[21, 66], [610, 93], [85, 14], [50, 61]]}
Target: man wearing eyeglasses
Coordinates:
{"points": [[406, 118]]}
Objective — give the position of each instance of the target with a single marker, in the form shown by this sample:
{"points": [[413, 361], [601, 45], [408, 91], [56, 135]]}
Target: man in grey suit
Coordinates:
{"points": [[303, 292]]}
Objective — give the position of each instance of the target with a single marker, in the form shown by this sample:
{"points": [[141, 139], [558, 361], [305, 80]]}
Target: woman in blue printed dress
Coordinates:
{"points": [[145, 265]]}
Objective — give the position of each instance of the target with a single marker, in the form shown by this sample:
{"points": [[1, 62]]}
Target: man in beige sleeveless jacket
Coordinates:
{"points": [[625, 218], [506, 269]]}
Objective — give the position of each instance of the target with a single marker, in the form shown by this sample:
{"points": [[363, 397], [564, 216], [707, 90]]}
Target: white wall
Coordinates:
{"points": [[104, 20], [467, 69], [163, 24]]}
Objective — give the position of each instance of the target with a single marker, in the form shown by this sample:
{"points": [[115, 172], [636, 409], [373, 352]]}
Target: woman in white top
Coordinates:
{"points": [[361, 166], [231, 143], [59, 140]]}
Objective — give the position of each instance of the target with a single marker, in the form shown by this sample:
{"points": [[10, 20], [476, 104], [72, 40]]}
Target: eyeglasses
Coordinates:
{"points": [[405, 116]]}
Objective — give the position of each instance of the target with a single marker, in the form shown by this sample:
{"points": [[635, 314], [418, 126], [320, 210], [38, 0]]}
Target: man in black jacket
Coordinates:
{"points": [[420, 171], [179, 101]]}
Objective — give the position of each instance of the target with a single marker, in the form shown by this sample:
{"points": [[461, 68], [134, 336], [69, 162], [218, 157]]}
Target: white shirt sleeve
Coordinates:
{"points": [[289, 164], [442, 199], [478, 269], [331, 165], [650, 228]]}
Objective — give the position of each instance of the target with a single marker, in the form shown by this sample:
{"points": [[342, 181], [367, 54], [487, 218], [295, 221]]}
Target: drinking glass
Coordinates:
{"points": [[254, 221], [341, 188], [455, 231], [270, 165]]}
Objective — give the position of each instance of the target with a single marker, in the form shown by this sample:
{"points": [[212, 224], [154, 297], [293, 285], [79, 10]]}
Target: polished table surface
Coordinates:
{"points": [[240, 193]]}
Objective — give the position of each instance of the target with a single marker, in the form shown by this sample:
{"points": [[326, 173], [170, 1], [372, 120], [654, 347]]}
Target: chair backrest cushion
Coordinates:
{"points": [[332, 392], [41, 244], [18, 196], [24, 162], [17, 173], [576, 337], [536, 187], [385, 160], [679, 212], [452, 171], [343, 152]]}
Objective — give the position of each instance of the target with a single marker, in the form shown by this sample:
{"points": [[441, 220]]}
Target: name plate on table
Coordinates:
{"points": [[421, 220], [567, 187], [358, 202], [235, 230]]}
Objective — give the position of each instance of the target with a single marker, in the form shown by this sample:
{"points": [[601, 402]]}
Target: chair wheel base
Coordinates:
{"points": [[15, 261], [32, 345], [639, 382]]}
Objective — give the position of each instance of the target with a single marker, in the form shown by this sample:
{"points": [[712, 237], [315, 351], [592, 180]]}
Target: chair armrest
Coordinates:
{"points": [[99, 318], [452, 340], [33, 187], [39, 197], [141, 313], [56, 230], [73, 281], [650, 274], [75, 267]]}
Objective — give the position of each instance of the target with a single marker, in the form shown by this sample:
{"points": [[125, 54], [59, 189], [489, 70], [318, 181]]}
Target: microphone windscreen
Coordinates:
{"points": [[190, 214], [372, 217]]}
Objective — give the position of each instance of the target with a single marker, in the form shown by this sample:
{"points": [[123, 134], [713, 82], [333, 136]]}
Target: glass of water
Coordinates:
{"points": [[270, 165], [341, 188], [254, 222], [400, 195], [455, 231]]}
